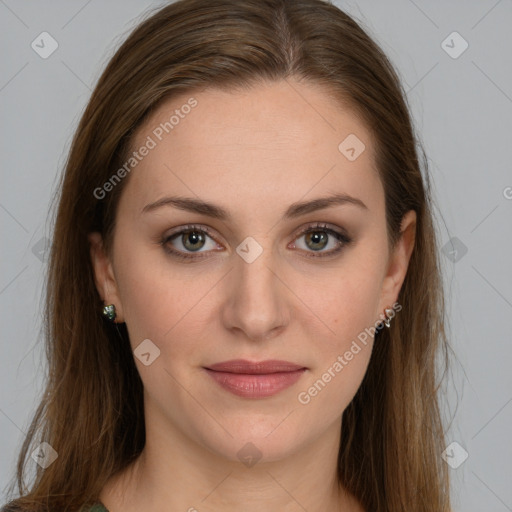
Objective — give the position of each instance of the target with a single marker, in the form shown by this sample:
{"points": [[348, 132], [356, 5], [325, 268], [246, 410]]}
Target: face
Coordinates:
{"points": [[269, 279]]}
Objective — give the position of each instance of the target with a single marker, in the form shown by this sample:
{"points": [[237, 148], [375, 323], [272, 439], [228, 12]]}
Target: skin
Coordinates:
{"points": [[254, 153]]}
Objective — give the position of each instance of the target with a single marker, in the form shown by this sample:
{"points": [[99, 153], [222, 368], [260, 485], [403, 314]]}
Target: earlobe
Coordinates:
{"points": [[104, 275]]}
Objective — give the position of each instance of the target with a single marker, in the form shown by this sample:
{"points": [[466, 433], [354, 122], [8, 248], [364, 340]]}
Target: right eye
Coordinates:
{"points": [[190, 239]]}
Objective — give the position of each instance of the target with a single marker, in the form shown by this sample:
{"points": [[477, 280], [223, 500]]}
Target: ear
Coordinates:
{"points": [[104, 275], [398, 262]]}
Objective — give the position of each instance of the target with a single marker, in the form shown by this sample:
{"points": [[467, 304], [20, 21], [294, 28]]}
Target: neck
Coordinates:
{"points": [[174, 472]]}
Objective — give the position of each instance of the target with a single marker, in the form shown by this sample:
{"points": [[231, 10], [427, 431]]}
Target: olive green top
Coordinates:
{"points": [[98, 507], [95, 507]]}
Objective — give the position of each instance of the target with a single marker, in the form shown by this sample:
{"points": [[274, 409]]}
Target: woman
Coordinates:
{"points": [[244, 306]]}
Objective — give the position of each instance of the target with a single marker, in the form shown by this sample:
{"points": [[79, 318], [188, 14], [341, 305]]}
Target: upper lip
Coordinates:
{"points": [[256, 367]]}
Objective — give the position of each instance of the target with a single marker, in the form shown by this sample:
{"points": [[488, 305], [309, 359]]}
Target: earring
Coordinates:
{"points": [[388, 312], [109, 312]]}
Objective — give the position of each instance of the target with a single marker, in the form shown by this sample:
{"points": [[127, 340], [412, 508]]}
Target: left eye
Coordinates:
{"points": [[194, 238], [318, 238]]}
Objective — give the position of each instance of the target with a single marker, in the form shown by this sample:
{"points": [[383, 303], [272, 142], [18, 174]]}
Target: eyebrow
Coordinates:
{"points": [[217, 212]]}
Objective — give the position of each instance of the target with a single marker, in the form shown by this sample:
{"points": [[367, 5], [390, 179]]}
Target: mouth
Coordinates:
{"points": [[255, 379]]}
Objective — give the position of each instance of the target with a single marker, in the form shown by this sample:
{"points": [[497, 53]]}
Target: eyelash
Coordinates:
{"points": [[343, 240]]}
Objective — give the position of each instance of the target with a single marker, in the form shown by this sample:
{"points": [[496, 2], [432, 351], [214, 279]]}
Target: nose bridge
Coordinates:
{"points": [[256, 303], [253, 268]]}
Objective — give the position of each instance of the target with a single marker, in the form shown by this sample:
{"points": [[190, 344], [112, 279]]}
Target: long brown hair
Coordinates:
{"points": [[91, 412]]}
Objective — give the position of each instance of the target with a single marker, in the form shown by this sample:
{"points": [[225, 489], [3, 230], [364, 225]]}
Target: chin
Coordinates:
{"points": [[252, 441]]}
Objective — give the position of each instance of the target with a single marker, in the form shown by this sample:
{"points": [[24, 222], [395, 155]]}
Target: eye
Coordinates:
{"points": [[188, 242], [193, 238], [318, 236]]}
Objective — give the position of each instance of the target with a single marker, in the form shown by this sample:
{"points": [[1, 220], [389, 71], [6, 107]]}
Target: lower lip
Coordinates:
{"points": [[256, 386]]}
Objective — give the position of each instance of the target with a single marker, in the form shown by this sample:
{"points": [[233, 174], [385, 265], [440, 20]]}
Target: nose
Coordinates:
{"points": [[256, 305]]}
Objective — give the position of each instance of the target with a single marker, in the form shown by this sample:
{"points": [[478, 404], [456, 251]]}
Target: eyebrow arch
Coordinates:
{"points": [[217, 212]]}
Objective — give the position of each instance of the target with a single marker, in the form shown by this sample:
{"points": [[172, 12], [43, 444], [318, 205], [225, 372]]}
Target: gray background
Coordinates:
{"points": [[462, 107]]}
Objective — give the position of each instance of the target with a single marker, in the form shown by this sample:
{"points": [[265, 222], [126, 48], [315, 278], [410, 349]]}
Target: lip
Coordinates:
{"points": [[256, 367], [255, 379]]}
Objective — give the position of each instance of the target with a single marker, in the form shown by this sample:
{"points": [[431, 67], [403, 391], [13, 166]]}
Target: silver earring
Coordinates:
{"points": [[388, 312]]}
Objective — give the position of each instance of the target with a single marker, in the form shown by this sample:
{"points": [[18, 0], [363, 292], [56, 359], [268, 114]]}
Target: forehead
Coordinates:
{"points": [[281, 141]]}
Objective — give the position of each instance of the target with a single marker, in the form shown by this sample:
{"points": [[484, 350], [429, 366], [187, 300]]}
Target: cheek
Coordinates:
{"points": [[152, 293], [346, 298], [342, 357], [347, 304], [168, 303]]}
